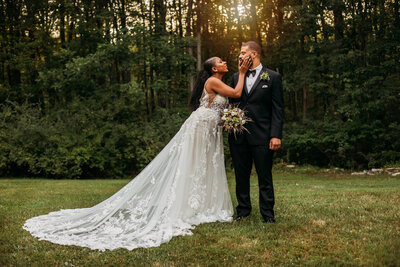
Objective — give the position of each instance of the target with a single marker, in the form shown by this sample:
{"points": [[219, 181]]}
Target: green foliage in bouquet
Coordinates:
{"points": [[233, 119]]}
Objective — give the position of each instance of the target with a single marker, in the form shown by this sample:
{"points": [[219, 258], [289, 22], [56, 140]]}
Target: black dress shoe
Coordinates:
{"points": [[269, 220]]}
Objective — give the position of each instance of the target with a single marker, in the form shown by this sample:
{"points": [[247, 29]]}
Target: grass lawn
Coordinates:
{"points": [[322, 219]]}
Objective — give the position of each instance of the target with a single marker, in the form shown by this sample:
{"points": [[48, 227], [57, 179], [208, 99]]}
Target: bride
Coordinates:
{"points": [[183, 186]]}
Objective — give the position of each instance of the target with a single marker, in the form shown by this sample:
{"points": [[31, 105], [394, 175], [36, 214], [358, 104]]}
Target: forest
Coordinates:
{"points": [[96, 88]]}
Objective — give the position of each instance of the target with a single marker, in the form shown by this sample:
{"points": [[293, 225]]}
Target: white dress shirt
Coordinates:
{"points": [[250, 80]]}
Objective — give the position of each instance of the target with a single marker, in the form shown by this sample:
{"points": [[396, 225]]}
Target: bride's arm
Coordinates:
{"points": [[223, 89]]}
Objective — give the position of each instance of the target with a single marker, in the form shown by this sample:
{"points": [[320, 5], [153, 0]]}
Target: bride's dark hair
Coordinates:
{"points": [[194, 100]]}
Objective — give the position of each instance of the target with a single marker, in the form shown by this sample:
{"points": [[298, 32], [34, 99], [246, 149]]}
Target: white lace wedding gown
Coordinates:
{"points": [[183, 186]]}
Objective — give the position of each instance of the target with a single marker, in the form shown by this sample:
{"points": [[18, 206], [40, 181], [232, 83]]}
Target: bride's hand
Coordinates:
{"points": [[245, 65]]}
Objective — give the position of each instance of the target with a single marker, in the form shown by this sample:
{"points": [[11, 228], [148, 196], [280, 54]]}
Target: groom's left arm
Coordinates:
{"points": [[277, 112]]}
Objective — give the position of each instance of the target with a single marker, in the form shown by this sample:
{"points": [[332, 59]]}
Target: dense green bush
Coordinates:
{"points": [[103, 137], [80, 143], [344, 144], [98, 137]]}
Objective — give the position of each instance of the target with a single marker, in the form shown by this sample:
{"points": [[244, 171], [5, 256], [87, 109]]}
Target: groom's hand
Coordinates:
{"points": [[274, 143]]}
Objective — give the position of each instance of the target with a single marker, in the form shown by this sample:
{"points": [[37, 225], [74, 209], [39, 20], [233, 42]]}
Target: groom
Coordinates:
{"points": [[262, 98]]}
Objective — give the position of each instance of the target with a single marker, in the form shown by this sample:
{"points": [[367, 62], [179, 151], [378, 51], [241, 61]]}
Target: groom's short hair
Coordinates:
{"points": [[253, 46]]}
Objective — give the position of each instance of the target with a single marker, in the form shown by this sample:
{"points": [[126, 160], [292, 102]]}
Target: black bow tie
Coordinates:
{"points": [[252, 72]]}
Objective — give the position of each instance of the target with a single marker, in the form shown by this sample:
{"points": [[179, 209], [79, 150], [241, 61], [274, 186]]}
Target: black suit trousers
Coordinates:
{"points": [[243, 157]]}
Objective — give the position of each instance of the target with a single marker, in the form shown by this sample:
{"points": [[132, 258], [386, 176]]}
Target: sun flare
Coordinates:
{"points": [[241, 9]]}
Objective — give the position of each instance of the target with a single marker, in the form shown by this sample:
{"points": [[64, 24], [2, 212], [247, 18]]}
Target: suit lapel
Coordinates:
{"points": [[245, 85], [257, 81]]}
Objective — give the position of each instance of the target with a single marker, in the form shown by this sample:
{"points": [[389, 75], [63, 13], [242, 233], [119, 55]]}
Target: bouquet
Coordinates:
{"points": [[233, 120]]}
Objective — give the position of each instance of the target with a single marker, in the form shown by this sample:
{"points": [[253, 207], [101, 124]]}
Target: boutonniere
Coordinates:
{"points": [[265, 76]]}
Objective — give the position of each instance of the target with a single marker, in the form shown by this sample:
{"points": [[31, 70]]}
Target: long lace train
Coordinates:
{"points": [[183, 186]]}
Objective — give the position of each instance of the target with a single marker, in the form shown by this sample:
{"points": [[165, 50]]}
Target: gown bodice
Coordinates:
{"points": [[217, 103]]}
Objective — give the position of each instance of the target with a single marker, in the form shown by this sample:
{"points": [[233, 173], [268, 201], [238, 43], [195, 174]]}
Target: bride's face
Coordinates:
{"points": [[220, 66]]}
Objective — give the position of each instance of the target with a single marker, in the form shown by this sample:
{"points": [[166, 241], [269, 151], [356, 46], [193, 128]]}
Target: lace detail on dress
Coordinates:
{"points": [[217, 103], [183, 186]]}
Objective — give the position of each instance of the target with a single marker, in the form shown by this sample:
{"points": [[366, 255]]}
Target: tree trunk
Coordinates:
{"points": [[160, 13], [115, 20], [198, 35], [382, 17], [239, 24], [302, 60], [279, 17], [180, 18], [72, 23], [62, 23], [361, 32], [293, 104], [198, 51], [122, 14], [253, 25], [338, 20], [396, 12], [255, 29], [189, 33]]}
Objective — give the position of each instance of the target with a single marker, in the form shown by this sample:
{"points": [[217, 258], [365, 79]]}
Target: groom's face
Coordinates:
{"points": [[245, 51]]}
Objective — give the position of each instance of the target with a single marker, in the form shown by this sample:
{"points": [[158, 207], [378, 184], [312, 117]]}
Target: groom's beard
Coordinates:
{"points": [[241, 62]]}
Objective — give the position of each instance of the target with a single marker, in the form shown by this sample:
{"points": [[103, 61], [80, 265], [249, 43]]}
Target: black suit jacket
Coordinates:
{"points": [[264, 105]]}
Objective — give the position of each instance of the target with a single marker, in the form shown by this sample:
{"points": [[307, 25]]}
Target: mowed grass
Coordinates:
{"points": [[323, 219]]}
